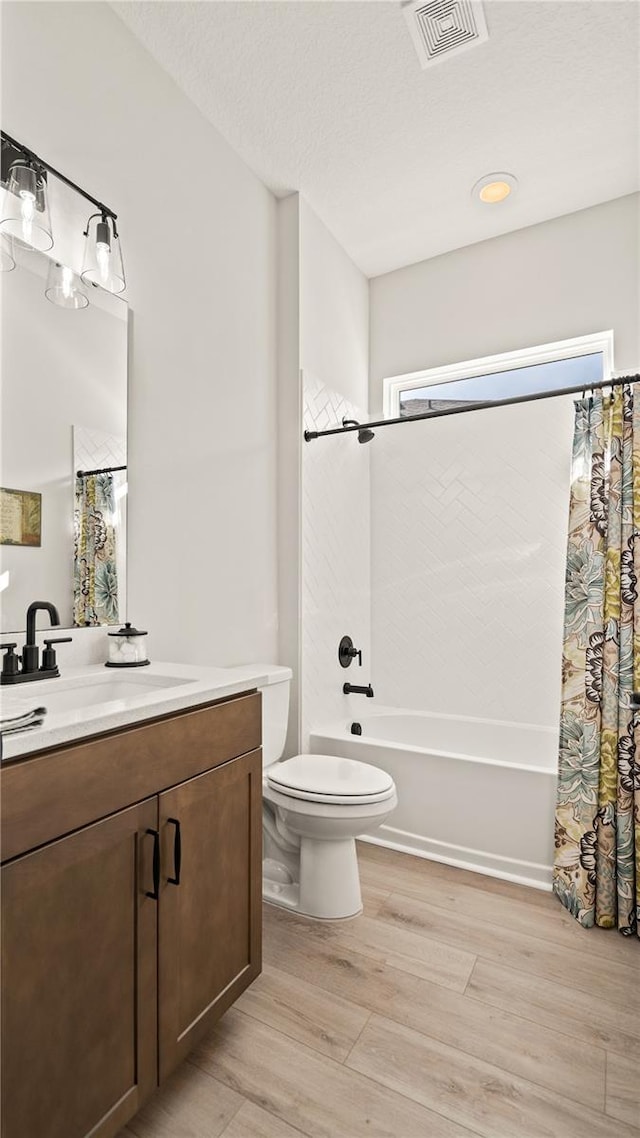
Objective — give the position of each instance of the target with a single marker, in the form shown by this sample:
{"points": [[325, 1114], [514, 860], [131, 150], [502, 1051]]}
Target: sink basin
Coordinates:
{"points": [[90, 691]]}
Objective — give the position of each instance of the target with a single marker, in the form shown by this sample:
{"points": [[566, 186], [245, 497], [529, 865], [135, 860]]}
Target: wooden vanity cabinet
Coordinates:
{"points": [[78, 982], [209, 936], [124, 940]]}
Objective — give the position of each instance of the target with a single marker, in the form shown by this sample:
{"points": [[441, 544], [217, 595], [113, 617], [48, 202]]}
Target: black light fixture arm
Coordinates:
{"points": [[104, 214], [37, 161]]}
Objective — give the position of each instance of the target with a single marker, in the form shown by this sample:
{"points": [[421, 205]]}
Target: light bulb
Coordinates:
{"points": [[28, 205], [495, 192], [103, 257], [67, 283], [27, 212], [495, 188], [64, 288]]}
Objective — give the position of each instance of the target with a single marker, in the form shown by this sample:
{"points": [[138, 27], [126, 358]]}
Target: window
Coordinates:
{"points": [[582, 362]]}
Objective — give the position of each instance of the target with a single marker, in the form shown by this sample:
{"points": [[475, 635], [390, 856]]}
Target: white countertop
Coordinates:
{"points": [[198, 686]]}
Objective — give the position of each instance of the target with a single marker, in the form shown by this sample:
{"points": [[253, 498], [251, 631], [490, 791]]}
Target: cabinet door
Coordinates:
{"points": [[211, 921], [79, 981]]}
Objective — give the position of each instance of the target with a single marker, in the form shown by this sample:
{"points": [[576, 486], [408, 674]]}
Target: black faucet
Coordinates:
{"points": [[354, 689], [31, 669], [31, 652]]}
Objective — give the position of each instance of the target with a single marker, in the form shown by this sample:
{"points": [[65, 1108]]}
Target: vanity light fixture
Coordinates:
{"points": [[495, 188], [25, 217], [102, 263], [25, 212], [65, 288]]}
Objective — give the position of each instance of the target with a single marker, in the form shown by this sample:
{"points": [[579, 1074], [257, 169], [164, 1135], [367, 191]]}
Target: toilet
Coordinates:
{"points": [[314, 807]]}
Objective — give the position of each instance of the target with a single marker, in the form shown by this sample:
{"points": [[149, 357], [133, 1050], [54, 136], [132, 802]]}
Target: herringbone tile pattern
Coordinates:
{"points": [[336, 559], [93, 449], [469, 520]]}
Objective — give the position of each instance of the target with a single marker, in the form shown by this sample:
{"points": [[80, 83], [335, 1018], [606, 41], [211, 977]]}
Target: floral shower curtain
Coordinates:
{"points": [[597, 834], [95, 576]]}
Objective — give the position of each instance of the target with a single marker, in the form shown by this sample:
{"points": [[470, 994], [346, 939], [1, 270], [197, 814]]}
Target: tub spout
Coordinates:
{"points": [[355, 689]]}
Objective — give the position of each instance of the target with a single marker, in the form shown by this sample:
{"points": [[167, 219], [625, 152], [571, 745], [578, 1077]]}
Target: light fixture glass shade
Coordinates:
{"points": [[25, 212], [7, 259], [102, 264], [65, 288]]}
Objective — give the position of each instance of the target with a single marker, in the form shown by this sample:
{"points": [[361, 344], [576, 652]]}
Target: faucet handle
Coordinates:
{"points": [[10, 661], [49, 662], [347, 652]]}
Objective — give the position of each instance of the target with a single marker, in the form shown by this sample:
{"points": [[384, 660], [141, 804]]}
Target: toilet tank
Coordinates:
{"points": [[275, 711]]}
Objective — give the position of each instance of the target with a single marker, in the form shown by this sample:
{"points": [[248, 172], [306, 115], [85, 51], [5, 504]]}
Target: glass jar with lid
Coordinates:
{"points": [[127, 648]]}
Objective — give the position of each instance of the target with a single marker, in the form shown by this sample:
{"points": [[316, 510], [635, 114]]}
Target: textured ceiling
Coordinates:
{"points": [[327, 97]]}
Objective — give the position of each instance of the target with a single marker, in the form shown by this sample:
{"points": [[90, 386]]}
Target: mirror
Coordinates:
{"points": [[63, 414]]}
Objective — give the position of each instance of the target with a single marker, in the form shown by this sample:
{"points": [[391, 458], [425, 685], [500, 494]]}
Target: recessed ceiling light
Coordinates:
{"points": [[494, 188]]}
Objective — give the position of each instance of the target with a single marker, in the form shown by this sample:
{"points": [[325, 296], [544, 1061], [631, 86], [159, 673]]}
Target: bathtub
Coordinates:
{"points": [[476, 793]]}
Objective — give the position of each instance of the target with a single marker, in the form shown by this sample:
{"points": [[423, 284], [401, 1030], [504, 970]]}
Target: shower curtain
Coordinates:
{"points": [[597, 832], [95, 576]]}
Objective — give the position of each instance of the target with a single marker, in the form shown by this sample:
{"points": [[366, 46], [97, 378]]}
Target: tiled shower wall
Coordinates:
{"points": [[468, 530], [336, 558]]}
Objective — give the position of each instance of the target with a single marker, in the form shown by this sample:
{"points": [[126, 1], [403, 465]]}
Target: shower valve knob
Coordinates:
{"points": [[347, 653]]}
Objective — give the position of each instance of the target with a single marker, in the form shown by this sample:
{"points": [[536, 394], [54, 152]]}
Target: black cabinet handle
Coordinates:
{"points": [[156, 866], [177, 852]]}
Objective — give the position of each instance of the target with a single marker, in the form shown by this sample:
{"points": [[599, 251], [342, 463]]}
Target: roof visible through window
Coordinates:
{"points": [[555, 375]]}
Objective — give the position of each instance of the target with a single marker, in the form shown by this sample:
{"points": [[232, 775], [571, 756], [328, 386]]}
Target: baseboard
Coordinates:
{"points": [[478, 861]]}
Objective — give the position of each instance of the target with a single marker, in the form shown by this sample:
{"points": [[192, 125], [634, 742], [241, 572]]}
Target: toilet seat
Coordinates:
{"points": [[330, 779]]}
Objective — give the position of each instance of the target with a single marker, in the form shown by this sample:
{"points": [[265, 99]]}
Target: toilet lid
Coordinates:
{"points": [[330, 778]]}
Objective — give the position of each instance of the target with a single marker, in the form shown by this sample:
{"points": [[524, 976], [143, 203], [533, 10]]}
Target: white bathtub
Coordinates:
{"points": [[477, 793]]}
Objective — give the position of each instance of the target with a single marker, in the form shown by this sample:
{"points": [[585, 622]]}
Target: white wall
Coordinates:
{"points": [[289, 455], [323, 321], [563, 278], [59, 369], [469, 534], [334, 312], [200, 263]]}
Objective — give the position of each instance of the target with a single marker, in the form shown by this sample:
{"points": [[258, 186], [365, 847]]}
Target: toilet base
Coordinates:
{"points": [[308, 916], [284, 896], [328, 885], [329, 878]]}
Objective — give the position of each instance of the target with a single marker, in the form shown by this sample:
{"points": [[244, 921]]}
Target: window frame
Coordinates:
{"points": [[394, 386]]}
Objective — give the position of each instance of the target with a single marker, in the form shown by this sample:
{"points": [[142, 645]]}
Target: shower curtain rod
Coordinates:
{"points": [[103, 470], [614, 381]]}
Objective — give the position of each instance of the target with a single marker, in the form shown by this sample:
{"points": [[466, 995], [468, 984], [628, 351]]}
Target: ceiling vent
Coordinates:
{"points": [[442, 28]]}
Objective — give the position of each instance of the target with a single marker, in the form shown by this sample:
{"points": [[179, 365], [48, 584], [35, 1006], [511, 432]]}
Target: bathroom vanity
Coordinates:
{"points": [[131, 892]]}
